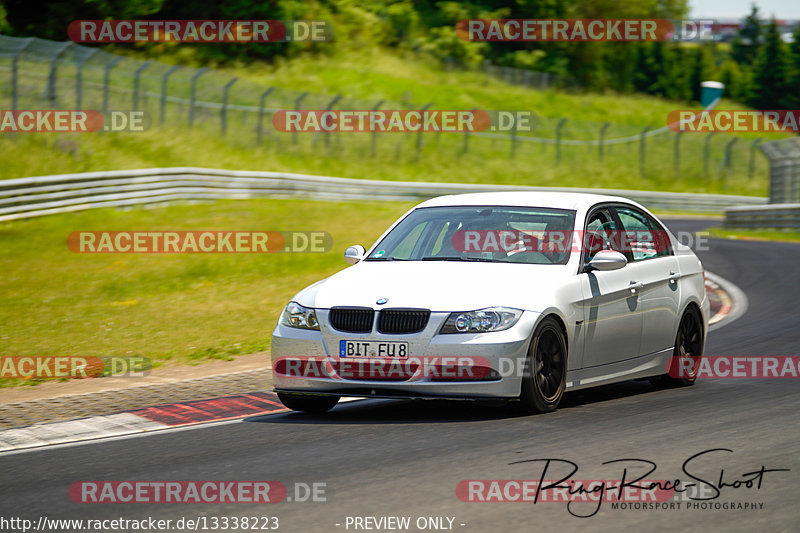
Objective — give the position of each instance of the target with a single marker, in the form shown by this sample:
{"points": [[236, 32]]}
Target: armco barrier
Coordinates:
{"points": [[778, 216], [62, 193]]}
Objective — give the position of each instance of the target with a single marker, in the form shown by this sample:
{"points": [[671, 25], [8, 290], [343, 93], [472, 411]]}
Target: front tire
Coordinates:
{"points": [[545, 376], [308, 403]]}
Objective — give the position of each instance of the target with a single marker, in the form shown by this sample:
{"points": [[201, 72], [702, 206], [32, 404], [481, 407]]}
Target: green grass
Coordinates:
{"points": [[171, 308], [756, 234]]}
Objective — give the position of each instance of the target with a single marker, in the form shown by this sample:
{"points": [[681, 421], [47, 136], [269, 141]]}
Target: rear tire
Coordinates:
{"points": [[688, 344], [545, 376], [308, 403]]}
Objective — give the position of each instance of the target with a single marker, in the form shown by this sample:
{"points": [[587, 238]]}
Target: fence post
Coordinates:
{"points": [[513, 142], [465, 147], [14, 71], [50, 91], [419, 134], [79, 79], [600, 146], [330, 106], [677, 154], [297, 104], [136, 84], [106, 76], [223, 113], [642, 151], [706, 153], [193, 94], [260, 130], [752, 166], [373, 147], [725, 164], [514, 136], [728, 149], [558, 139], [167, 74], [14, 82]]}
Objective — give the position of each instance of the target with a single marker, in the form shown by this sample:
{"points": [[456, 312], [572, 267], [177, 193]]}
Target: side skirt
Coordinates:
{"points": [[644, 366]]}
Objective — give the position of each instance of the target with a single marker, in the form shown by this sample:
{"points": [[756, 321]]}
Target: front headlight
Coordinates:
{"points": [[482, 320], [296, 316]]}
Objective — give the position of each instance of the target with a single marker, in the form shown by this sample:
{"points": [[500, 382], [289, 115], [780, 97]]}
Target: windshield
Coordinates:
{"points": [[532, 235]]}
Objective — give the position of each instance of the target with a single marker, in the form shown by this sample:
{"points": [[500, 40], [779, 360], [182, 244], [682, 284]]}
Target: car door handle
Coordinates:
{"points": [[635, 286], [673, 277]]}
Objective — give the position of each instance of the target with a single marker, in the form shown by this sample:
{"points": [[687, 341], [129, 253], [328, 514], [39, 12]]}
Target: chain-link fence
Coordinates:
{"points": [[47, 74], [528, 78]]}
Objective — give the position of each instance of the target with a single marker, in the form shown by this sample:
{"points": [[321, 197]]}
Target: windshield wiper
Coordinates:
{"points": [[456, 258], [385, 258]]}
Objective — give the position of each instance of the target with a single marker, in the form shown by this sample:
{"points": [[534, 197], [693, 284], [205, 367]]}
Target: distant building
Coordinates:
{"points": [[726, 29]]}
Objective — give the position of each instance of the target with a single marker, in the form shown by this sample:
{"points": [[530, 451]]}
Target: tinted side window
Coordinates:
{"points": [[643, 237], [601, 234]]}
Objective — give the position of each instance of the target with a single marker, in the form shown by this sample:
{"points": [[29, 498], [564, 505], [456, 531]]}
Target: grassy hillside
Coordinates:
{"points": [[371, 75]]}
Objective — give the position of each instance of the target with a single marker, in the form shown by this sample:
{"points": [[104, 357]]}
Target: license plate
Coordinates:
{"points": [[392, 350]]}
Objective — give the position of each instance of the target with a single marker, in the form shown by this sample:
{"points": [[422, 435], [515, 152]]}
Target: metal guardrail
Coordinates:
{"points": [[784, 170], [777, 216], [63, 193]]}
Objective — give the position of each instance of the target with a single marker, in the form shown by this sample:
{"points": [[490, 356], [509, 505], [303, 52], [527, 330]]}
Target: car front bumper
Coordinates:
{"points": [[503, 351]]}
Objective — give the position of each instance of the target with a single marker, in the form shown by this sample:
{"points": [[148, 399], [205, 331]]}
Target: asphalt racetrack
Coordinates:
{"points": [[380, 458]]}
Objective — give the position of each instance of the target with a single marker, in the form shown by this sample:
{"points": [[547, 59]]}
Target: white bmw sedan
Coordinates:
{"points": [[515, 296]]}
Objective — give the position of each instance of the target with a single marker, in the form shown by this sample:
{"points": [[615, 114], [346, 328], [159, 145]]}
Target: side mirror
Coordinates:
{"points": [[607, 260], [354, 254]]}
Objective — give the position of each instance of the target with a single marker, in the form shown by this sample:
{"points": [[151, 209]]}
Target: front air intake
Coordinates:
{"points": [[403, 320], [352, 319]]}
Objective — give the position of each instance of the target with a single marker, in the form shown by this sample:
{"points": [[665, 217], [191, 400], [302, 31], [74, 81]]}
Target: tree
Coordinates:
{"points": [[769, 89], [646, 72], [4, 26], [793, 82], [744, 46], [735, 81], [49, 20], [620, 63], [701, 68], [673, 79]]}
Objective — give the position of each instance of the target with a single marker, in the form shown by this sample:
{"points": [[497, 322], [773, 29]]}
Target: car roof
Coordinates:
{"points": [[559, 200]]}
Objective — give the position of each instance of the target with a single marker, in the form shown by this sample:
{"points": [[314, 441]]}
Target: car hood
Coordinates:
{"points": [[439, 286]]}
